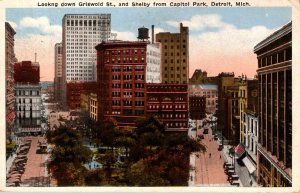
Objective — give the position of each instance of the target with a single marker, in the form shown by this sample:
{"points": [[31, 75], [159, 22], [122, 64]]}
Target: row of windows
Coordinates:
{"points": [[85, 66], [127, 68], [88, 23], [77, 78], [177, 40], [172, 61], [127, 103], [98, 16], [128, 77], [125, 52], [81, 71], [278, 57], [166, 106], [172, 54], [172, 115], [27, 93], [128, 85], [128, 112], [93, 103], [93, 110], [176, 124], [28, 101], [125, 60]]}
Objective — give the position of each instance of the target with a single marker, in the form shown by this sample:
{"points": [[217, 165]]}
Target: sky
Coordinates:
{"points": [[221, 39]]}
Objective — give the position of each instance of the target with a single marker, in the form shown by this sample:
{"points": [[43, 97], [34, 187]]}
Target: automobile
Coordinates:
{"points": [[193, 129], [205, 131]]}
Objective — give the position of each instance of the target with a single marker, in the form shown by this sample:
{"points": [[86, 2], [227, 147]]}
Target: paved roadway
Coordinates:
{"points": [[209, 166], [35, 170]]}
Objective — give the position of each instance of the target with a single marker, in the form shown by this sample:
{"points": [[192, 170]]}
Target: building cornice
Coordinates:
{"points": [[274, 36]]}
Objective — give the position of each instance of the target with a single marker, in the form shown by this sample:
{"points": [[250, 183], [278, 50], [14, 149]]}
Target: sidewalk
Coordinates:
{"points": [[241, 171]]}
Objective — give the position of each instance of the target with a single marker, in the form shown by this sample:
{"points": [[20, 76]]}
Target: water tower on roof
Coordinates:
{"points": [[143, 34]]}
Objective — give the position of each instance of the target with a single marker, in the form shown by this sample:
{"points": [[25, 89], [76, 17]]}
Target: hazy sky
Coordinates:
{"points": [[221, 39]]}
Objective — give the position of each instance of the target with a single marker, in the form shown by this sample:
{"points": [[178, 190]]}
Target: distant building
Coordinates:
{"points": [[10, 59], [209, 91], [274, 149], [94, 107], [58, 73], [197, 107], [28, 94], [74, 91], [249, 128], [175, 56], [200, 77], [169, 102]]}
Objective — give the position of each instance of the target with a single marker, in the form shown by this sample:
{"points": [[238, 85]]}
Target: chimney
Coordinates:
{"points": [[152, 34]]}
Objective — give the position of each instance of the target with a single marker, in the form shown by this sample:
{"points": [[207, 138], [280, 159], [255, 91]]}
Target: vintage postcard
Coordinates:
{"points": [[164, 96]]}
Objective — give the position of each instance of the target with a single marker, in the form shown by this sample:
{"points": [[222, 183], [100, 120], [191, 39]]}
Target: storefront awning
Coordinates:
{"points": [[10, 116], [249, 165], [239, 150]]}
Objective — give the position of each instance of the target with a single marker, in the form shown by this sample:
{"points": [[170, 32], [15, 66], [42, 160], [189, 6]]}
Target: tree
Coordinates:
{"points": [[68, 156]]}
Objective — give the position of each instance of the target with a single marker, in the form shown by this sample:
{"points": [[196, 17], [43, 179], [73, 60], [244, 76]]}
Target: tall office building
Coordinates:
{"points": [[10, 59], [175, 56], [81, 33], [58, 83], [274, 149], [122, 73]]}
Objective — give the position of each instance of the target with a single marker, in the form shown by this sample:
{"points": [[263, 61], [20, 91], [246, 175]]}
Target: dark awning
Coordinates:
{"points": [[239, 150]]}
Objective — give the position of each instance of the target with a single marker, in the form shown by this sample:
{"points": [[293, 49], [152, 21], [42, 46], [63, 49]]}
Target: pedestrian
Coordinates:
{"points": [[209, 155], [220, 156]]}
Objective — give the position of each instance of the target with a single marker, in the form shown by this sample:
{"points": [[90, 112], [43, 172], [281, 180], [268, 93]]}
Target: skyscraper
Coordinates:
{"points": [[81, 33], [274, 149], [175, 56], [58, 83]]}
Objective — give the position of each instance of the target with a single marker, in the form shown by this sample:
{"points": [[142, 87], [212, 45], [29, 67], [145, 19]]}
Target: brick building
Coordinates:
{"points": [[274, 149], [10, 59], [74, 91], [175, 56], [197, 107], [169, 102], [121, 73]]}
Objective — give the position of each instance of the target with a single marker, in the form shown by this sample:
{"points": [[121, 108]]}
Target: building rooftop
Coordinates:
{"points": [[205, 86], [274, 36]]}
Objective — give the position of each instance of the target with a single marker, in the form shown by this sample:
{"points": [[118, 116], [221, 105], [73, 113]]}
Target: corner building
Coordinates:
{"points": [[28, 94], [175, 56], [122, 71], [274, 149]]}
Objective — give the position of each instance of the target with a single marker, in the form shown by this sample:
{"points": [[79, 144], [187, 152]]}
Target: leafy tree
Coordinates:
{"points": [[68, 156]]}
